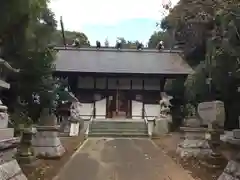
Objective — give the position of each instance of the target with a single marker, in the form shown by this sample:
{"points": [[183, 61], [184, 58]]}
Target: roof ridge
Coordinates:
{"points": [[146, 50]]}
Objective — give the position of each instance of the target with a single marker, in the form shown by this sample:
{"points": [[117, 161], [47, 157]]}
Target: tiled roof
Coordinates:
{"points": [[121, 61]]}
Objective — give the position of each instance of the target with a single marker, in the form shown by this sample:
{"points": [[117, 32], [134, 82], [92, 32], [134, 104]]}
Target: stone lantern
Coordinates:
{"points": [[8, 143]]}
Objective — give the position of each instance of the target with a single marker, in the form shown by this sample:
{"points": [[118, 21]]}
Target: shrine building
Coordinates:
{"points": [[125, 83]]}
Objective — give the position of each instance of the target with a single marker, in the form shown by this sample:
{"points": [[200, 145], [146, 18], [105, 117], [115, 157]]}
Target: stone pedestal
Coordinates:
{"points": [[74, 127], [162, 126], [150, 126], [235, 138], [46, 142], [194, 143], [9, 167]]}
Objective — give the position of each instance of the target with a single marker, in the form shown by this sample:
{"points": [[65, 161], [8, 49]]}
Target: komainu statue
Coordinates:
{"points": [[165, 107]]}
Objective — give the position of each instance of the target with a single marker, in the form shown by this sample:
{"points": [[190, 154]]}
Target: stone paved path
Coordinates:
{"points": [[121, 159]]}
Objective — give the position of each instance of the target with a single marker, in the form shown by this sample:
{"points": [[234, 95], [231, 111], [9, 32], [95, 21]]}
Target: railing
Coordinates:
{"points": [[145, 116], [90, 121]]}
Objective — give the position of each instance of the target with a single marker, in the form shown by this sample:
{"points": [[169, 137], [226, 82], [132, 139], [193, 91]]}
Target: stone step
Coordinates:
{"points": [[119, 130], [116, 127], [114, 134], [113, 125], [118, 122], [6, 133]]}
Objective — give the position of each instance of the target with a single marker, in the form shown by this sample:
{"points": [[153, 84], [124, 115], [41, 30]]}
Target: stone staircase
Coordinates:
{"points": [[118, 128]]}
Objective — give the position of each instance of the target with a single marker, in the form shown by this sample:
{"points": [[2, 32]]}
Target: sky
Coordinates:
{"points": [[109, 19]]}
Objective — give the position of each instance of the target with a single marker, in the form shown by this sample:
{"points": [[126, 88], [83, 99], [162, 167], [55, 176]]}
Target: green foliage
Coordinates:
{"points": [[25, 33], [128, 44], [156, 37], [70, 36], [175, 86], [196, 89]]}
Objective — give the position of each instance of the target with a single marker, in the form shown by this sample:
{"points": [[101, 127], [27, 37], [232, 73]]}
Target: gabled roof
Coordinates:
{"points": [[121, 61]]}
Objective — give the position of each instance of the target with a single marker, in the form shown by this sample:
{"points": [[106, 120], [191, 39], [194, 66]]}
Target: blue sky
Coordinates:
{"points": [[131, 19]]}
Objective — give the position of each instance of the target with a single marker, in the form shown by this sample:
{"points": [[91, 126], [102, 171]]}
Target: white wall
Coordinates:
{"points": [[136, 110], [152, 110], [101, 109], [86, 110]]}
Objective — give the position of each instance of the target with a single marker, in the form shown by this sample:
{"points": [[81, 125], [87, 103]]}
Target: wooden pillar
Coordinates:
{"points": [[130, 99], [73, 83], [94, 101], [107, 97], [143, 106], [162, 84], [117, 98]]}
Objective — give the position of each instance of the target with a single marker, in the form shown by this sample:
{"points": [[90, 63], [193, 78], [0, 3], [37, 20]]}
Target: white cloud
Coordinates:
{"points": [[77, 13]]}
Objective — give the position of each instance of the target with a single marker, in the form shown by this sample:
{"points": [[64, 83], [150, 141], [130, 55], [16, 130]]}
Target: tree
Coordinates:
{"points": [[209, 31], [128, 44], [156, 37], [25, 32], [69, 36]]}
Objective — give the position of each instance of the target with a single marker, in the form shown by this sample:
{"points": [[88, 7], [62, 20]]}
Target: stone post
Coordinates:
{"points": [[215, 160], [46, 142], [25, 154]]}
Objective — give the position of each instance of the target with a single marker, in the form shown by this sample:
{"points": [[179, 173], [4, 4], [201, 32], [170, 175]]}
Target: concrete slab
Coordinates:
{"points": [[121, 159]]}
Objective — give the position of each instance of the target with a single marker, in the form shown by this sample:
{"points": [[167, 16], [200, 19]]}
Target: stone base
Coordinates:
{"points": [[47, 144], [11, 171], [231, 171], [161, 127], [194, 143], [74, 129], [193, 148], [6, 133], [236, 134], [27, 160]]}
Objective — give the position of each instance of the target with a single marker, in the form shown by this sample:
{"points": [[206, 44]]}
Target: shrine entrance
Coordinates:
{"points": [[119, 105]]}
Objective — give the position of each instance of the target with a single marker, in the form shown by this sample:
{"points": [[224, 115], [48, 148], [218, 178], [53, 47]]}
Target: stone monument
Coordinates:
{"points": [[46, 142], [163, 121], [194, 143], [9, 167]]}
